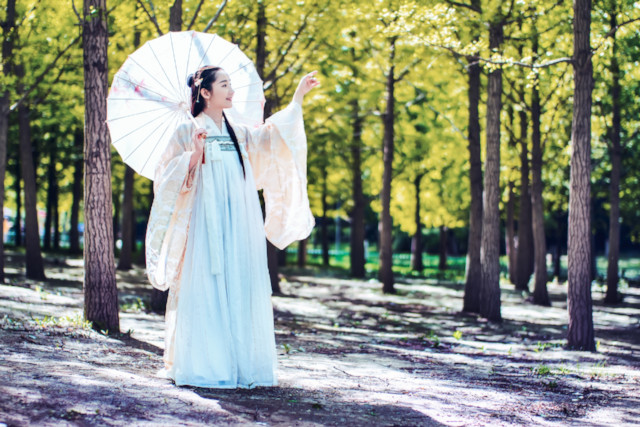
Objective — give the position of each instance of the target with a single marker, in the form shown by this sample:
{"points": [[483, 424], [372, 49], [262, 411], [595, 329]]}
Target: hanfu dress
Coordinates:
{"points": [[206, 244]]}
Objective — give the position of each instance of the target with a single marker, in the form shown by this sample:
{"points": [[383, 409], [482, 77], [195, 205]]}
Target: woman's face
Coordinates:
{"points": [[221, 94]]}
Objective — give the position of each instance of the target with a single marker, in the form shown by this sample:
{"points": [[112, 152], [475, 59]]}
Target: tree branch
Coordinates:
{"points": [[152, 18], [73, 5], [215, 17], [406, 70], [195, 15], [42, 75], [464, 5]]}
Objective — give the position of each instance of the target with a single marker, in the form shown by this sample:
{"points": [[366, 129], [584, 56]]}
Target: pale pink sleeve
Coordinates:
{"points": [[170, 212], [278, 156]]}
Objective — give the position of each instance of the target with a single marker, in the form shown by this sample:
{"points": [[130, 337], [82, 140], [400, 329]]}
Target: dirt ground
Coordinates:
{"points": [[348, 355]]}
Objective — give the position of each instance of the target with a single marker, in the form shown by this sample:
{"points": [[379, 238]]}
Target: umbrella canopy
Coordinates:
{"points": [[149, 96]]}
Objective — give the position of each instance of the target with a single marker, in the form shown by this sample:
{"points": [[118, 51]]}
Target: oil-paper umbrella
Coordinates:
{"points": [[149, 96]]}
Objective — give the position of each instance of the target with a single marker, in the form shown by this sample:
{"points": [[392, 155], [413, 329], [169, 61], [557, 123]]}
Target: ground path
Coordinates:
{"points": [[348, 355]]}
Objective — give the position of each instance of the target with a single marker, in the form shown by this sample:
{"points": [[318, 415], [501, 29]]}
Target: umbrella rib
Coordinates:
{"points": [[204, 54], [145, 70], [144, 87], [235, 46], [175, 62], [142, 143], [250, 84], [156, 146], [143, 99], [240, 68], [186, 68], [162, 68], [140, 127], [135, 114]]}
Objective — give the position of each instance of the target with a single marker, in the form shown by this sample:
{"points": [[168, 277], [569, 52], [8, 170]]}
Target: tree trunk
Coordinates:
{"points": [[510, 235], [35, 265], [48, 220], [385, 274], [56, 220], [490, 251], [261, 55], [74, 235], [473, 269], [540, 294], [356, 253], [615, 152], [416, 241], [580, 334], [116, 220], [524, 254], [100, 291], [126, 253], [324, 231], [444, 231], [5, 101], [302, 253], [175, 16], [51, 221], [18, 190]]}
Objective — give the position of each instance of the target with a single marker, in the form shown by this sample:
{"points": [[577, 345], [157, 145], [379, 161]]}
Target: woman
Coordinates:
{"points": [[206, 234]]}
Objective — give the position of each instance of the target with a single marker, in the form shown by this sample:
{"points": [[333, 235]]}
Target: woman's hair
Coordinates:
{"points": [[205, 77], [208, 76]]}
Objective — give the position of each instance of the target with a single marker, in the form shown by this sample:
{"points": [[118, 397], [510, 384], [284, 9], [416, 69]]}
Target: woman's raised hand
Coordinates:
{"points": [[307, 83]]}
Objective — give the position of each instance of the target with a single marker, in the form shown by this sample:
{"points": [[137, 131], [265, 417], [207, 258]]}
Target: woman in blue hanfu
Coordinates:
{"points": [[206, 234]]}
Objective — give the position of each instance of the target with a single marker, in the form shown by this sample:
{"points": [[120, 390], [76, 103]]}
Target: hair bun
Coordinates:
{"points": [[190, 80]]}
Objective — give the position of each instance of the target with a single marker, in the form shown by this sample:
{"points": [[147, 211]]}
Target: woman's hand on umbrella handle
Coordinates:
{"points": [[197, 138], [307, 83]]}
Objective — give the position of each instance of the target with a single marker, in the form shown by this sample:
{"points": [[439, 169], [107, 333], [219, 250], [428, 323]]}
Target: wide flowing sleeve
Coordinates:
{"points": [[278, 156], [168, 224]]}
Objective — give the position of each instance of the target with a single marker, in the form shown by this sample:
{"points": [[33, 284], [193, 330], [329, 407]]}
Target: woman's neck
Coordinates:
{"points": [[216, 116]]}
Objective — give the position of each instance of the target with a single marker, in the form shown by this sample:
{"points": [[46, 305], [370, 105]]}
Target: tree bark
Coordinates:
{"points": [[442, 264], [175, 16], [524, 254], [510, 235], [356, 253], [74, 234], [473, 269], [35, 264], [126, 253], [261, 56], [52, 189], [385, 274], [490, 251], [324, 231], [416, 241], [615, 152], [100, 291], [580, 333], [540, 293], [56, 219], [302, 253], [8, 26], [18, 191]]}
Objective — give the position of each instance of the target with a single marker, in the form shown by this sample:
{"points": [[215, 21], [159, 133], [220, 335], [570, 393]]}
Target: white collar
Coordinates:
{"points": [[210, 126]]}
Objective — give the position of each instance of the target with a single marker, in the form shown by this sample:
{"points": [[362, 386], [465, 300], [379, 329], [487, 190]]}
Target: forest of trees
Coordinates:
{"points": [[509, 123]]}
